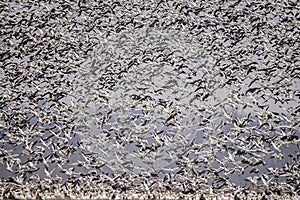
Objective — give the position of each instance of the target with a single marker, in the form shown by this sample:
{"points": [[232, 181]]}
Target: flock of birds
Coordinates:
{"points": [[149, 99]]}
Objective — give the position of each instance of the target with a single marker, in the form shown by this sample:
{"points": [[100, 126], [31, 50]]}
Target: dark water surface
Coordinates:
{"points": [[150, 96]]}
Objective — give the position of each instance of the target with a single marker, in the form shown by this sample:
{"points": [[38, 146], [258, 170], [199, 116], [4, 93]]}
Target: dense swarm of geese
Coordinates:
{"points": [[149, 99]]}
